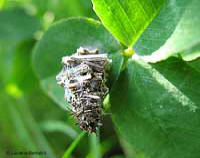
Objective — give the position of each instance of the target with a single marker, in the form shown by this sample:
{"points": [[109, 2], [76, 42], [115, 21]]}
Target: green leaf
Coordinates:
{"points": [[2, 4], [127, 19], [161, 28], [191, 53], [15, 62], [195, 64], [58, 126], [22, 72], [17, 29], [156, 108], [64, 8], [63, 38], [52, 89], [16, 25], [19, 128], [185, 36], [11, 120]]}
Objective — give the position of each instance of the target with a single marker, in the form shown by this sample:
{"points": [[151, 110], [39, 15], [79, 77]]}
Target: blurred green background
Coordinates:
{"points": [[29, 119]]}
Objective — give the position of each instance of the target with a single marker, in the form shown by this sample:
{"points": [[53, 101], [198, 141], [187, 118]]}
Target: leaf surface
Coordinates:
{"points": [[156, 108], [19, 127], [16, 25], [185, 24], [195, 64], [17, 29], [127, 19]]}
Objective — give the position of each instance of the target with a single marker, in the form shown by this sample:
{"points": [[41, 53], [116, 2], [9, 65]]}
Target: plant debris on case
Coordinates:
{"points": [[84, 79]]}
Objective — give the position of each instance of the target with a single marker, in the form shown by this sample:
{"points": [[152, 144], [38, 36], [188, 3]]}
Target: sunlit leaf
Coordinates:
{"points": [[127, 19], [185, 36]]}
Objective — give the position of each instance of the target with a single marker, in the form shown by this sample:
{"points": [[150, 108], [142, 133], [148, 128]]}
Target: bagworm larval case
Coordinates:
{"points": [[84, 79]]}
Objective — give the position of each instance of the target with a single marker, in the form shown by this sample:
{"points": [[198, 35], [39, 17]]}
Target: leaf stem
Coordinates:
{"points": [[128, 52], [125, 60], [73, 145], [94, 145], [106, 103]]}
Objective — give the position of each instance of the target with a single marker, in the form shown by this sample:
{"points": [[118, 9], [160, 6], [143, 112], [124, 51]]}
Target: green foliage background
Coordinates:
{"points": [[152, 110]]}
